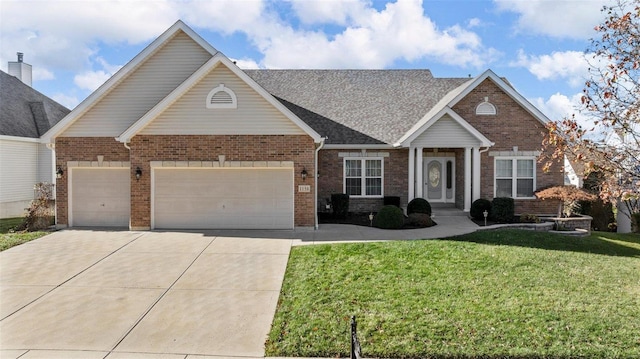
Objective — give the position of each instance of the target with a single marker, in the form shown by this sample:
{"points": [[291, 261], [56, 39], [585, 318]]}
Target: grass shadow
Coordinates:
{"points": [[604, 243]]}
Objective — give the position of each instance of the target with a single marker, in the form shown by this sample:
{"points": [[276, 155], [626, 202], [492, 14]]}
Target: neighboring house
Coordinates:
{"points": [[181, 137], [25, 115]]}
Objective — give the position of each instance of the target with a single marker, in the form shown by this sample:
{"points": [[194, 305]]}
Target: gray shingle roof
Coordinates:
{"points": [[357, 106], [25, 112]]}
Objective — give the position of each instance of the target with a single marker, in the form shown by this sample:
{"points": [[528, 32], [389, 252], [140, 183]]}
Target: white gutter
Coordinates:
{"points": [[332, 146], [315, 166]]}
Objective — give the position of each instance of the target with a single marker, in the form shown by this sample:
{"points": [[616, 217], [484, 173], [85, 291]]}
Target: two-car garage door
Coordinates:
{"points": [[187, 198], [223, 198]]}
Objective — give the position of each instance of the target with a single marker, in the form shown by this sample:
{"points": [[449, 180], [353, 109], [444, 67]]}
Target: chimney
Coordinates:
{"points": [[21, 70]]}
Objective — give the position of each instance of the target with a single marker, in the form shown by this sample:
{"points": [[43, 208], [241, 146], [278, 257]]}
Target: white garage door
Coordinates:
{"points": [[223, 198], [100, 197]]}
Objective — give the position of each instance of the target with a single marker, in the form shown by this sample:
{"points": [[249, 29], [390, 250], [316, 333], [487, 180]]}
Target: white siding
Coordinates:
{"points": [[153, 80], [189, 116], [45, 168], [18, 175], [446, 132]]}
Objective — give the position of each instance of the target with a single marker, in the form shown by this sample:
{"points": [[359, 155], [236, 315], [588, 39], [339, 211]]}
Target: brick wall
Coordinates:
{"points": [[299, 149], [511, 126], [330, 166]]}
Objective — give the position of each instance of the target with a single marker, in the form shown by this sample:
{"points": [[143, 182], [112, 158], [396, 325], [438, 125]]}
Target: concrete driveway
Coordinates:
{"points": [[106, 294]]}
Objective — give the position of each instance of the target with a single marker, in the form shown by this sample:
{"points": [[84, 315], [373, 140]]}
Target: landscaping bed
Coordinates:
{"points": [[10, 238], [358, 219], [497, 294]]}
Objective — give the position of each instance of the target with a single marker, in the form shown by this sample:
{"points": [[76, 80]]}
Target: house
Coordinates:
{"points": [[181, 137], [25, 115]]}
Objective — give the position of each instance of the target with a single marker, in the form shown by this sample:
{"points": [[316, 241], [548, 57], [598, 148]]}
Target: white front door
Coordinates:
{"points": [[439, 179]]}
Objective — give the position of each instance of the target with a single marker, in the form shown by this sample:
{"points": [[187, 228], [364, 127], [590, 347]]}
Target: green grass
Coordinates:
{"points": [[9, 239], [497, 294]]}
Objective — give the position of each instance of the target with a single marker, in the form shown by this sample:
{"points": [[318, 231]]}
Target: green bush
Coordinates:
{"points": [[340, 204], [419, 205], [389, 217], [600, 211], [529, 218], [502, 209], [420, 220], [478, 207]]}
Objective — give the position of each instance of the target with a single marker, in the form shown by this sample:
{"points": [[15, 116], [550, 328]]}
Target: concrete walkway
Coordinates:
{"points": [[120, 294]]}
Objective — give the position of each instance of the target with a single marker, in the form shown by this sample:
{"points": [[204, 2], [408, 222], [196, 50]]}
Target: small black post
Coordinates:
{"points": [[355, 343]]}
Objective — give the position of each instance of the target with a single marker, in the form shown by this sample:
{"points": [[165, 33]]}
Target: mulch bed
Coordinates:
{"points": [[356, 218]]}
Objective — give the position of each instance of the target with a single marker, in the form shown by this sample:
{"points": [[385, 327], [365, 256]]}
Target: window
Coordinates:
{"points": [[221, 97], [515, 177], [486, 108], [363, 177]]}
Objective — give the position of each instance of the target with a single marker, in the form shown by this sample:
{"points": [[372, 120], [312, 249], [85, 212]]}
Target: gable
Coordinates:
{"points": [[446, 132], [190, 114], [148, 83]]}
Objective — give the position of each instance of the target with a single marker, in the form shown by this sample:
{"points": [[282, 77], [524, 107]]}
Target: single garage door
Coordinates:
{"points": [[100, 197], [223, 198]]}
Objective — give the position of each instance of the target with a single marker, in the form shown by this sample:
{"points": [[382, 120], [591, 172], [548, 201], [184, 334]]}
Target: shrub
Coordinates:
{"points": [[389, 217], [635, 222], [340, 204], [478, 207], [529, 218], [392, 200], [502, 209], [600, 211], [420, 220], [419, 205]]}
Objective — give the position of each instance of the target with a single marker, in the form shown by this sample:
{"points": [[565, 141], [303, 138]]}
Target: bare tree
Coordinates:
{"points": [[610, 143]]}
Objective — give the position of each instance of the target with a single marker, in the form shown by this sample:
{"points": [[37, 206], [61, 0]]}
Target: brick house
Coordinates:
{"points": [[181, 137]]}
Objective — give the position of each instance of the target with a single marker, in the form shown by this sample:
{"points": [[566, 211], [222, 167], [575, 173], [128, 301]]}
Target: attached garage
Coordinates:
{"points": [[223, 198], [99, 197]]}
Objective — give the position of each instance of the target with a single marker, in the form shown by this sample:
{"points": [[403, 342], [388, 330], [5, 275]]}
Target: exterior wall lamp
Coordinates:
{"points": [[59, 172], [304, 174], [138, 173]]}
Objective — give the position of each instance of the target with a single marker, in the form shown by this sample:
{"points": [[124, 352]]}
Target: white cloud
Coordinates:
{"points": [[399, 31], [561, 19], [569, 65], [329, 11], [247, 64], [558, 107], [40, 74], [91, 80], [65, 100]]}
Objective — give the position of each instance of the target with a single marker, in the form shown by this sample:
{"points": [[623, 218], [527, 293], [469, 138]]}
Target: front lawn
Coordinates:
{"points": [[9, 239], [495, 294]]}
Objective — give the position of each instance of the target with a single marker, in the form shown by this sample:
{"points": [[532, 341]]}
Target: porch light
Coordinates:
{"points": [[304, 174], [59, 172], [138, 173]]}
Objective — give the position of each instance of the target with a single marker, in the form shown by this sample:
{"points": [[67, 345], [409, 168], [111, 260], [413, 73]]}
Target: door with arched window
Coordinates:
{"points": [[439, 179]]}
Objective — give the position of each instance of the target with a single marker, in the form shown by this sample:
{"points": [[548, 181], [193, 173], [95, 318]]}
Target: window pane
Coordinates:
{"points": [[374, 186], [504, 168], [373, 168], [504, 188], [353, 186], [353, 168], [525, 168], [525, 188]]}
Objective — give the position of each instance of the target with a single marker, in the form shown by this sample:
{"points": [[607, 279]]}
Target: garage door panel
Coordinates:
{"points": [[223, 198], [100, 197]]}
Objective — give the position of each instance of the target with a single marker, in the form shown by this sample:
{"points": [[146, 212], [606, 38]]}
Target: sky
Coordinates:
{"points": [[539, 46]]}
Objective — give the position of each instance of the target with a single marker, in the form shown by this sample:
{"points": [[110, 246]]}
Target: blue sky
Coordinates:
{"points": [[538, 45]]}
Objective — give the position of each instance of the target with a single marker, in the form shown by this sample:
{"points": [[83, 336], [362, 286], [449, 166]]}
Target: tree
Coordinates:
{"points": [[610, 143], [569, 197]]}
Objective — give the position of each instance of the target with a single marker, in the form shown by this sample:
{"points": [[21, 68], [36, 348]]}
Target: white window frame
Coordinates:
{"points": [[514, 175], [363, 177]]}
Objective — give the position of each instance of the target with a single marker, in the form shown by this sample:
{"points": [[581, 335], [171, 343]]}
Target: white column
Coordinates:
{"points": [[412, 173], [419, 180], [476, 173], [467, 179]]}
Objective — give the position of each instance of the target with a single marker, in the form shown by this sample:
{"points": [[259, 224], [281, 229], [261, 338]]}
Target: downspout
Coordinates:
{"points": [[315, 166]]}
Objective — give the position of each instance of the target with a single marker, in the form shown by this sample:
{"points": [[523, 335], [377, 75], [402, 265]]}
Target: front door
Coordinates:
{"points": [[439, 179]]}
